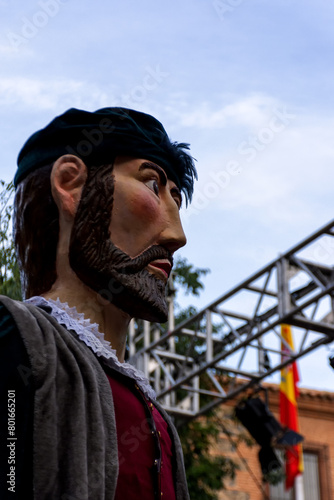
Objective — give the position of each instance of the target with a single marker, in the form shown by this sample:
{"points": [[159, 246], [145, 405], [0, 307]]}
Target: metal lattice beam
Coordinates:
{"points": [[195, 365]]}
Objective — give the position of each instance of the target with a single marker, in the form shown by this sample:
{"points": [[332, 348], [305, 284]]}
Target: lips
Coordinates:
{"points": [[163, 265]]}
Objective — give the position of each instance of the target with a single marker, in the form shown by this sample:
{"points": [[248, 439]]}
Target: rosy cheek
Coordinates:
{"points": [[145, 207]]}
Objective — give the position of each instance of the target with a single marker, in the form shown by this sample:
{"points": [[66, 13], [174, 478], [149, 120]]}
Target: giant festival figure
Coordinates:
{"points": [[96, 225]]}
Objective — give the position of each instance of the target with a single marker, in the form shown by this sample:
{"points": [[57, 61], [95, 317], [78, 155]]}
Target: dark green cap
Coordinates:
{"points": [[98, 137]]}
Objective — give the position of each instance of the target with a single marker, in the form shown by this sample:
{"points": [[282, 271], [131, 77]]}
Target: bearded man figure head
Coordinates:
{"points": [[97, 213]]}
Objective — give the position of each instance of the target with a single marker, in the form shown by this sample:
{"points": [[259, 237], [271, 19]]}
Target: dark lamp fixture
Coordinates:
{"points": [[331, 361], [255, 415]]}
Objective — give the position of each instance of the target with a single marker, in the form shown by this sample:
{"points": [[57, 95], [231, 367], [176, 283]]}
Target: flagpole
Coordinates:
{"points": [[299, 487], [289, 412]]}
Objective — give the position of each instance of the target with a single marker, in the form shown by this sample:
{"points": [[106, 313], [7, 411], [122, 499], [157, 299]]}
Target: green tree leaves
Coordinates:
{"points": [[188, 276], [9, 271]]}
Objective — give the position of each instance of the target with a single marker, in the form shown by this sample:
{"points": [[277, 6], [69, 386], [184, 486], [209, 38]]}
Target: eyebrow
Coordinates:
{"points": [[163, 177], [159, 170]]}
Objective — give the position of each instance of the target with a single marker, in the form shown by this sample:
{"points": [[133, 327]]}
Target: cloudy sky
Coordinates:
{"points": [[249, 84]]}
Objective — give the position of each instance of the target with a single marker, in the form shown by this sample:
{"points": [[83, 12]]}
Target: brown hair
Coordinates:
{"points": [[36, 230]]}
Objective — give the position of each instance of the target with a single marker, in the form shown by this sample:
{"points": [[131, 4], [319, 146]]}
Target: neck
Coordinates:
{"points": [[112, 321]]}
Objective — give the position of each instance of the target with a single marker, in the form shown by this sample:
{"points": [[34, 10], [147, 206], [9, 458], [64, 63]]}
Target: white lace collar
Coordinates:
{"points": [[89, 333]]}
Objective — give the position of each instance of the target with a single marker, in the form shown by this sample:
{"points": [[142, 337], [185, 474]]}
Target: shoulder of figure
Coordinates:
{"points": [[13, 353], [7, 323]]}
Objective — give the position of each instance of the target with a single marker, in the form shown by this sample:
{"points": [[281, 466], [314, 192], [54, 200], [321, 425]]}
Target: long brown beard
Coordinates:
{"points": [[105, 268]]}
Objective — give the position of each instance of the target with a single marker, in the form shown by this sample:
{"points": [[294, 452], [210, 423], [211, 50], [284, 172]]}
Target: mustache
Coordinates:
{"points": [[135, 264]]}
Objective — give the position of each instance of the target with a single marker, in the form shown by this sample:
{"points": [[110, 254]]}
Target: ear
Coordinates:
{"points": [[68, 176]]}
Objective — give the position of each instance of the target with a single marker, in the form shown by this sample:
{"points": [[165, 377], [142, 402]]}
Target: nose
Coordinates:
{"points": [[172, 237]]}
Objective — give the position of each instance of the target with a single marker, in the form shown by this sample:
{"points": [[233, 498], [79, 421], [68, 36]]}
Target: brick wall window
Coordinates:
{"points": [[310, 478]]}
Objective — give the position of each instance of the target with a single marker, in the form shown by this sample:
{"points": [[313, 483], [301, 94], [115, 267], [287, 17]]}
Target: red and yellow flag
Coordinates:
{"points": [[288, 409]]}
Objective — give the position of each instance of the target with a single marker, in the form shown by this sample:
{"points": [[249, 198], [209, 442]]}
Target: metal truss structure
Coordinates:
{"points": [[235, 342]]}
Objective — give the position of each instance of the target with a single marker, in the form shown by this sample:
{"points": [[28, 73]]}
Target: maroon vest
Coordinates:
{"points": [[144, 444]]}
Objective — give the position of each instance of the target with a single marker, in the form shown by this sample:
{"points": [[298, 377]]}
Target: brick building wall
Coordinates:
{"points": [[316, 420]]}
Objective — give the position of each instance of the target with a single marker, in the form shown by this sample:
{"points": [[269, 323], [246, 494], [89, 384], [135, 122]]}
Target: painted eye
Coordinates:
{"points": [[178, 202], [175, 192], [153, 185]]}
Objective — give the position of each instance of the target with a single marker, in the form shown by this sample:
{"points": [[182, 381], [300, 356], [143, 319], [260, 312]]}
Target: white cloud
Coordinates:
{"points": [[48, 95], [7, 50], [251, 111], [285, 181]]}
